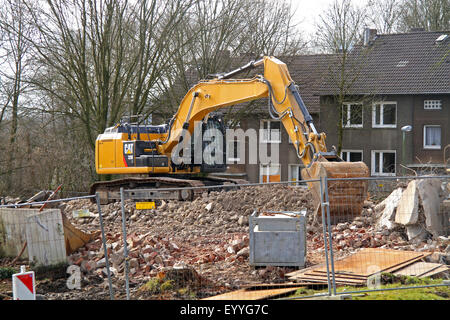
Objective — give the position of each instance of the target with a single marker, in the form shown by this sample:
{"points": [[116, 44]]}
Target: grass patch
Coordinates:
{"points": [[7, 272], [390, 281], [157, 286]]}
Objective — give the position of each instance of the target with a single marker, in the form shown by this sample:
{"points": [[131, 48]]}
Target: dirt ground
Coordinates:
{"points": [[197, 249]]}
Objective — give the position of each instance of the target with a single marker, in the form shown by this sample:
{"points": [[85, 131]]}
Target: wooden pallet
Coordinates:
{"points": [[357, 268]]}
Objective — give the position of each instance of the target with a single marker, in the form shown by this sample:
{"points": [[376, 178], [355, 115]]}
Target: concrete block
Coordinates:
{"points": [[408, 205], [386, 209], [429, 193]]}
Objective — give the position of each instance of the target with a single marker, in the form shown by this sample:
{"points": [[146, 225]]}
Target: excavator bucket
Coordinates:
{"points": [[346, 197]]}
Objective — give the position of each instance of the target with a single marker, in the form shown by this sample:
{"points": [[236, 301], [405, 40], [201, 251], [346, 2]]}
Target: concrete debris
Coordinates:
{"points": [[407, 212], [431, 197], [420, 209], [210, 235], [386, 209]]}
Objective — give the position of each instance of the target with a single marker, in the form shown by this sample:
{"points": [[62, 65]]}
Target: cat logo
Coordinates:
{"points": [[128, 148]]}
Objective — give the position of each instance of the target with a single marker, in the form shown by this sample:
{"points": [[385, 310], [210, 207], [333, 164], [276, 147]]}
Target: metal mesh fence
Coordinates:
{"points": [[261, 241]]}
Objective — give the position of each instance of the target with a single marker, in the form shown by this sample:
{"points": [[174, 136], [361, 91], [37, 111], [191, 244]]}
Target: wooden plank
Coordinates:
{"points": [[442, 268], [307, 277], [301, 271], [323, 280], [263, 286], [338, 275], [418, 269], [406, 263], [244, 294], [363, 262]]}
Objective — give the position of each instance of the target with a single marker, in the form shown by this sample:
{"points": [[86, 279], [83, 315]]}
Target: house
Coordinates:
{"points": [[403, 80], [395, 81]]}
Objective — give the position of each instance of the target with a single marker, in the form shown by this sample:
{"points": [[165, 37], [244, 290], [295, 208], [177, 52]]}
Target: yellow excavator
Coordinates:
{"points": [[142, 153]]}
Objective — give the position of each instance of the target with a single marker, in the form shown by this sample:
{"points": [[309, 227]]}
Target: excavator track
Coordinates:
{"points": [[158, 188]]}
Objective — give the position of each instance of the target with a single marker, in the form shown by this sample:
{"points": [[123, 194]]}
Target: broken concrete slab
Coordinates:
{"points": [[408, 206], [45, 238], [416, 232], [386, 209], [429, 193]]}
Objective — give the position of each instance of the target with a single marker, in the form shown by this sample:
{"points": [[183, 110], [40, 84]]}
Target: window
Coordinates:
{"points": [[352, 155], [269, 173], [352, 115], [432, 137], [402, 63], [383, 163], [432, 104], [384, 115], [295, 173], [270, 131], [233, 151]]}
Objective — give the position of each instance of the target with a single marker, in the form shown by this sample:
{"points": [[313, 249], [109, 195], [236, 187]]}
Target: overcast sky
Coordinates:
{"points": [[308, 12]]}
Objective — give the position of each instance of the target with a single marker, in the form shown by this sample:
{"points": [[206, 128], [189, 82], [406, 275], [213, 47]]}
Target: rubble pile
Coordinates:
{"points": [[210, 234]]}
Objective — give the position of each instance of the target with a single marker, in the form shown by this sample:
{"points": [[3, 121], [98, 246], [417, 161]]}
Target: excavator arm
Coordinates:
{"points": [[287, 106]]}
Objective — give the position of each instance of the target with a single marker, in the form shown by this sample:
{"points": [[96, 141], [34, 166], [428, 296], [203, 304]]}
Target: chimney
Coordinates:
{"points": [[369, 36]]}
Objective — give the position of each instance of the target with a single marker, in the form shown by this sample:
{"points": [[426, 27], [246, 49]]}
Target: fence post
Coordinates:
{"points": [[125, 245], [108, 271], [330, 236], [325, 243]]}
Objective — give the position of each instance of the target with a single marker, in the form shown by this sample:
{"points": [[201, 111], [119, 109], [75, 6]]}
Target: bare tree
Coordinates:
{"points": [[102, 59], [218, 35], [339, 32], [431, 15], [385, 15], [270, 29], [16, 30]]}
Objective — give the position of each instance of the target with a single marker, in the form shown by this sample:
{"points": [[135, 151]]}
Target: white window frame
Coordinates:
{"points": [[352, 150], [235, 158], [266, 166], [380, 165], [432, 104], [347, 110], [374, 115], [261, 131], [300, 167], [432, 147]]}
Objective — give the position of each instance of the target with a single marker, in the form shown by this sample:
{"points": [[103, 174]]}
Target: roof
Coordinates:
{"points": [[307, 71], [403, 63]]}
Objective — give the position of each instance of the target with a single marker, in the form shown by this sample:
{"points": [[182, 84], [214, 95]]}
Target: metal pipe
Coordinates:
{"points": [[327, 201], [43, 202], [391, 289], [250, 65], [389, 178], [108, 271], [125, 245], [325, 243], [227, 186]]}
